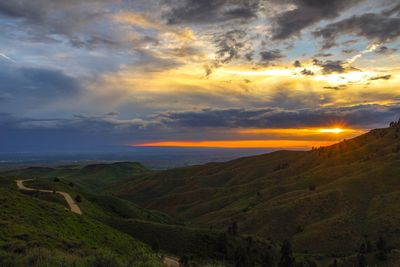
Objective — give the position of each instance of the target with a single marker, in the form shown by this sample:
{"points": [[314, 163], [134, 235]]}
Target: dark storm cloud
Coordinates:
{"points": [[349, 51], [229, 45], [331, 66], [42, 19], [356, 116], [385, 50], [336, 88], [374, 27], [383, 77], [307, 13], [78, 122], [394, 10], [323, 55], [210, 11], [307, 72], [31, 86], [267, 57]]}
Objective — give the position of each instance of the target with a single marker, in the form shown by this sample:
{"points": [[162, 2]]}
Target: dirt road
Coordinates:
{"points": [[70, 201], [170, 261]]}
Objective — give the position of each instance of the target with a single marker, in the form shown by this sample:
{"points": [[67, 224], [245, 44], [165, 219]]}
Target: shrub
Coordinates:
{"points": [[78, 199]]}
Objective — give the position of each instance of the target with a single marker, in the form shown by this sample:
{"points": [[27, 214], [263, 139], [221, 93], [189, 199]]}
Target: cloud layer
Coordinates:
{"points": [[109, 72]]}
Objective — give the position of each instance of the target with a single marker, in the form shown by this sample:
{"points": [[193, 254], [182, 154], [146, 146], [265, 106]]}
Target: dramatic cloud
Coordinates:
{"points": [[356, 116], [383, 77], [30, 87], [307, 13], [330, 66], [307, 72], [210, 11], [269, 56], [229, 45], [385, 50], [375, 27], [340, 87]]}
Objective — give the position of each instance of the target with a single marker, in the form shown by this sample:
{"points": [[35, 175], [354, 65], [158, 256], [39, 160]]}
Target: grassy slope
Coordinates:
{"points": [[35, 232], [154, 227], [94, 176], [357, 188]]}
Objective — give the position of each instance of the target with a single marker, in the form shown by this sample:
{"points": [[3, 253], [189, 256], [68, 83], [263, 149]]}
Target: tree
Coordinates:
{"points": [[363, 249], [56, 179], [155, 247], [362, 261], [184, 261], [382, 249], [78, 198], [267, 260], [286, 259], [242, 258], [334, 263], [222, 244], [234, 228], [71, 184]]}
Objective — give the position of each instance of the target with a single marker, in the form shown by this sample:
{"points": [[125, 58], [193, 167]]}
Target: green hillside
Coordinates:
{"points": [[328, 200], [92, 177], [156, 229], [35, 232]]}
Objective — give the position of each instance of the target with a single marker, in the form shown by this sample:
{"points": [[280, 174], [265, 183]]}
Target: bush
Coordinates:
{"points": [[78, 199], [104, 259]]}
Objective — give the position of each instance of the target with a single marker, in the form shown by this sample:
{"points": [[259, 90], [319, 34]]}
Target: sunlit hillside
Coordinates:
{"points": [[327, 200]]}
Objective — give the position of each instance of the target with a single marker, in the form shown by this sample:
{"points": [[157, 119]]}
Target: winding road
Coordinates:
{"points": [[70, 201], [167, 260], [170, 261]]}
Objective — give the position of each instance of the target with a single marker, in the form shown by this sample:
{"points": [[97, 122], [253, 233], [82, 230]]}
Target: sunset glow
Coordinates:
{"points": [[299, 144], [333, 130], [305, 131]]}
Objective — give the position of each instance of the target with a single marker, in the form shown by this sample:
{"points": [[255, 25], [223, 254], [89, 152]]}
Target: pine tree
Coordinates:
{"points": [[287, 259], [234, 228], [382, 249], [184, 261], [267, 260], [78, 198]]}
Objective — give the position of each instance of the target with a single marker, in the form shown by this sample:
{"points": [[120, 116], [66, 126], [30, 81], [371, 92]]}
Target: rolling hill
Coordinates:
{"points": [[92, 177], [40, 232], [328, 200], [106, 213]]}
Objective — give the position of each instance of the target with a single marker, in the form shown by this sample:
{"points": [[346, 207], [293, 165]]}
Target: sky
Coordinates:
{"points": [[282, 74]]}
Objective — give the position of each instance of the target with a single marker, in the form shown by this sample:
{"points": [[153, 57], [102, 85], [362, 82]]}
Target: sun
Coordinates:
{"points": [[331, 130]]}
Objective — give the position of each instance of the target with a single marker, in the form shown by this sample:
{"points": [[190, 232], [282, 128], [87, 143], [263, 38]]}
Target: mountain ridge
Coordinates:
{"points": [[297, 195]]}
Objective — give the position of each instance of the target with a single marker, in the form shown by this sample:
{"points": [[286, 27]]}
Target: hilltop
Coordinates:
{"points": [[327, 200], [93, 176]]}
